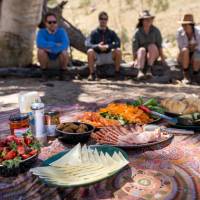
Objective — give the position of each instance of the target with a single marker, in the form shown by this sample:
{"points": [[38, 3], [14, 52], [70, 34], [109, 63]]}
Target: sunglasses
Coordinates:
{"points": [[51, 22], [103, 19]]}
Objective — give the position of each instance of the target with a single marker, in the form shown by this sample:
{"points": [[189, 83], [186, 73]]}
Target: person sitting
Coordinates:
{"points": [[188, 39], [52, 43], [146, 44], [103, 47]]}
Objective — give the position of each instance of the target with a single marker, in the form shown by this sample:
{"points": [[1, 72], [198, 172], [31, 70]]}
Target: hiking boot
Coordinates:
{"points": [[64, 75], [44, 76], [186, 75], [186, 81], [140, 75], [147, 70], [119, 76], [92, 77]]}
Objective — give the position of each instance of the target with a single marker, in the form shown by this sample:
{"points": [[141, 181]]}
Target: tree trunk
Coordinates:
{"points": [[18, 23]]}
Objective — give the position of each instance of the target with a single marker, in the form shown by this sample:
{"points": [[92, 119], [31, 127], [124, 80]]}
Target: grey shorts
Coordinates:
{"points": [[196, 56], [104, 58]]}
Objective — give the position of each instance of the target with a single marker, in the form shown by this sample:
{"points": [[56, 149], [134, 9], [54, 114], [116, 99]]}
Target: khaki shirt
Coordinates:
{"points": [[182, 38], [141, 39]]}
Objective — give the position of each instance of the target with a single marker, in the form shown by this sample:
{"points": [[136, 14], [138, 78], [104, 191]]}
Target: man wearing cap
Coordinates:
{"points": [[103, 47], [146, 44], [188, 39]]}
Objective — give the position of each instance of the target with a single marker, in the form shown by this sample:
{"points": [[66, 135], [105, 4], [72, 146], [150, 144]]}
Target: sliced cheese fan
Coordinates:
{"points": [[80, 166]]}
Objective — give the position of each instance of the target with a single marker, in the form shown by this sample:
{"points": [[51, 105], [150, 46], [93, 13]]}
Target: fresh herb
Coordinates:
{"points": [[121, 120], [12, 163]]}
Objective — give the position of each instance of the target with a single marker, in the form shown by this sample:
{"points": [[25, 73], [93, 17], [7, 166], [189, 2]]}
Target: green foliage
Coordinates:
{"points": [[84, 3], [161, 5]]}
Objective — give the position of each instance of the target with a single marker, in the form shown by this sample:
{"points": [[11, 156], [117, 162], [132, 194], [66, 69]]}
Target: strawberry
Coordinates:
{"points": [[25, 156], [10, 138], [27, 140], [20, 150], [18, 140], [33, 152], [10, 155]]}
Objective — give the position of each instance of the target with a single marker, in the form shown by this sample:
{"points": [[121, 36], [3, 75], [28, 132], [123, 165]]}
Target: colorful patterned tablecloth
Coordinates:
{"points": [[172, 172]]}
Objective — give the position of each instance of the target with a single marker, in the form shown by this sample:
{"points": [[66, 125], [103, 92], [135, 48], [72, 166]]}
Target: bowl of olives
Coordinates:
{"points": [[74, 132]]}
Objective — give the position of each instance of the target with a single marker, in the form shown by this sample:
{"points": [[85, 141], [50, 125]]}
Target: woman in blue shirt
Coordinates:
{"points": [[52, 43]]}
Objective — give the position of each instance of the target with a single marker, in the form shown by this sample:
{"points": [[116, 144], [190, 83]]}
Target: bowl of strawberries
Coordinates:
{"points": [[18, 154]]}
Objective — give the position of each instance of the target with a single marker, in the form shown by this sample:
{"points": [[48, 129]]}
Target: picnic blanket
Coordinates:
{"points": [[172, 172]]}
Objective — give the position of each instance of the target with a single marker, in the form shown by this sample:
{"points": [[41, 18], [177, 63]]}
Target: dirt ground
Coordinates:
{"points": [[83, 91]]}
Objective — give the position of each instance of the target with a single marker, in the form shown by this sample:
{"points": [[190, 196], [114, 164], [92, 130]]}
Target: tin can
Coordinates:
{"points": [[38, 114], [52, 119]]}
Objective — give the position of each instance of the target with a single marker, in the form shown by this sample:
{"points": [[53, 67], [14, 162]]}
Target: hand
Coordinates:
{"points": [[192, 46], [102, 47]]}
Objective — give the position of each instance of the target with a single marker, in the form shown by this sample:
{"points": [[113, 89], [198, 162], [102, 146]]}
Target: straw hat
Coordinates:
{"points": [[187, 19], [145, 14]]}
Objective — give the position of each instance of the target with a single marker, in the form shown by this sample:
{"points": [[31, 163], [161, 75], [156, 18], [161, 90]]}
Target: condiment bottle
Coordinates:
{"points": [[38, 115]]}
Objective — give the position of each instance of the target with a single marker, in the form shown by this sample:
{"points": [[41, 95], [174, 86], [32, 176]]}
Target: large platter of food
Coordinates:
{"points": [[81, 166], [131, 136], [115, 114], [180, 104]]}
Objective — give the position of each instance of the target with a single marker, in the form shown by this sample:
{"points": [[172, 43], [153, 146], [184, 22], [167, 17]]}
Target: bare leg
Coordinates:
{"points": [[185, 58], [91, 60], [63, 60], [152, 54], [43, 58], [185, 61], [117, 57], [196, 65], [141, 56]]}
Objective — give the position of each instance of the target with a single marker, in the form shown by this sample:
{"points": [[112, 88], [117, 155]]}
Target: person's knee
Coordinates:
{"points": [[118, 52], [42, 52], [90, 52], [142, 50], [64, 54], [185, 50], [152, 47]]}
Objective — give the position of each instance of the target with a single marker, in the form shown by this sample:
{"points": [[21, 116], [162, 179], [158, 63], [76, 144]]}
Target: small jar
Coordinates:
{"points": [[19, 124], [52, 119]]}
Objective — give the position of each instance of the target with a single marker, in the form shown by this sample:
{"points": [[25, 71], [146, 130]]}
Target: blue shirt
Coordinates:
{"points": [[55, 42]]}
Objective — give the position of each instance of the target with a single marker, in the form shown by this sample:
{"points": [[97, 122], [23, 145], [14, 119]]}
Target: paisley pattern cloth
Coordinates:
{"points": [[172, 172]]}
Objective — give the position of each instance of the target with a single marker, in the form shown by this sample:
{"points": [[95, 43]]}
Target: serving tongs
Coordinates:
{"points": [[171, 120]]}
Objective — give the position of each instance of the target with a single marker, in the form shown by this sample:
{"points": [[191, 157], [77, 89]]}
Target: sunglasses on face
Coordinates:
{"points": [[103, 19], [51, 22]]}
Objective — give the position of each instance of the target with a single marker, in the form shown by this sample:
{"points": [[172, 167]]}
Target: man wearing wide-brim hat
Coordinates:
{"points": [[146, 44], [188, 39]]}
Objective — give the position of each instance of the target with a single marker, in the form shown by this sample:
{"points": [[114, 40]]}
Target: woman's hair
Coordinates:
{"points": [[193, 30], [139, 24]]}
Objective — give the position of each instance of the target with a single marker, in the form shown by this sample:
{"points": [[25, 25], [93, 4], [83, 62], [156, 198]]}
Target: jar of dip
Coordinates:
{"points": [[19, 124]]}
